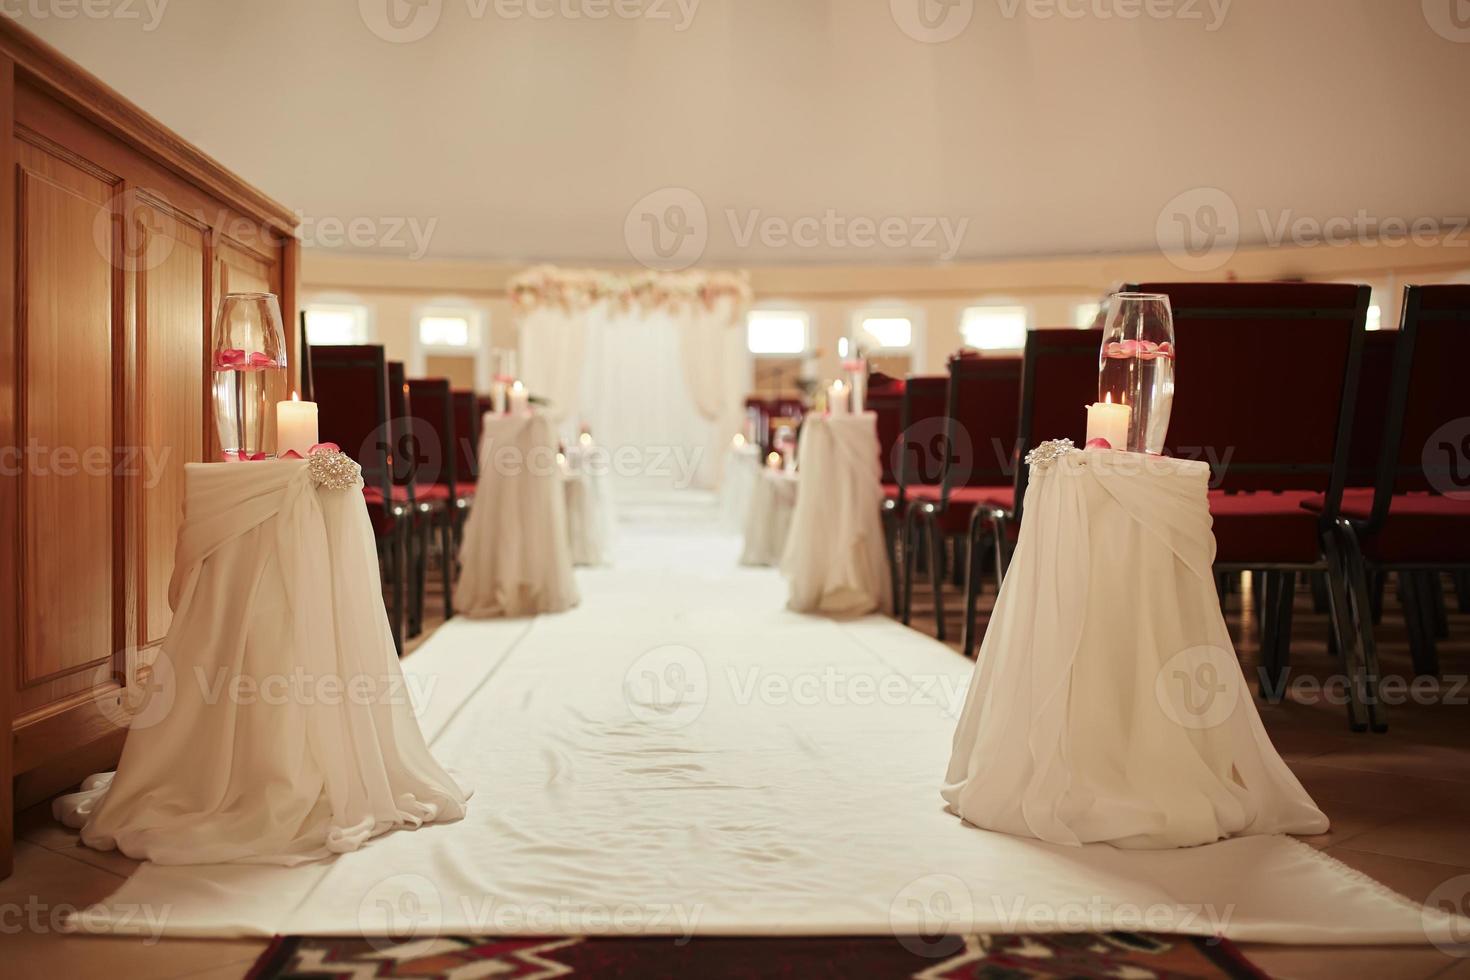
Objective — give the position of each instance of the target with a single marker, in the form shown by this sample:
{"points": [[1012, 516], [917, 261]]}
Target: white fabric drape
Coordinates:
{"points": [[1107, 703], [768, 516], [836, 559], [279, 729], [516, 559], [553, 351], [638, 403]]}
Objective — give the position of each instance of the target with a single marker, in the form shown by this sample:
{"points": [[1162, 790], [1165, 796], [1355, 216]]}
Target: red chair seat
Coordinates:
{"points": [[463, 489], [1264, 527], [955, 518], [890, 491], [381, 517], [1420, 527], [432, 493]]}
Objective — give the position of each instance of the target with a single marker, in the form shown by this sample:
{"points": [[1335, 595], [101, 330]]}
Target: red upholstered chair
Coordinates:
{"points": [[404, 464], [468, 421], [436, 475], [885, 400], [1266, 390], [351, 386], [918, 455], [1416, 519], [982, 415], [1058, 379]]}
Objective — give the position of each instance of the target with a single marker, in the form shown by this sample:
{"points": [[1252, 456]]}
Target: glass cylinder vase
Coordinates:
{"points": [[249, 364], [1136, 366]]}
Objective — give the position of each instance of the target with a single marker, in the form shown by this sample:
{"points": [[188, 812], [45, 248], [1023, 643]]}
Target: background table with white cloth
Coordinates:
{"points": [[275, 725], [768, 516], [836, 559], [1107, 704], [737, 484], [589, 505], [516, 559]]}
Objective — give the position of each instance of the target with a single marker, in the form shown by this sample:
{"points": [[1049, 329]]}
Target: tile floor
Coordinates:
{"points": [[1400, 806]]}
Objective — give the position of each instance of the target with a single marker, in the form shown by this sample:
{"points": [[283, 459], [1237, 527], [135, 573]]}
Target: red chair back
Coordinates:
{"points": [[1058, 381], [1266, 381], [985, 419], [886, 401], [1428, 448], [431, 409], [350, 383], [467, 435], [404, 457], [1370, 415], [921, 448]]}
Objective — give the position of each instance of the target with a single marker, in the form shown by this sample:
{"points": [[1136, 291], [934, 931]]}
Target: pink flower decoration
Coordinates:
{"points": [[1098, 443], [291, 454], [260, 362], [324, 447], [1166, 349], [241, 456], [229, 360]]}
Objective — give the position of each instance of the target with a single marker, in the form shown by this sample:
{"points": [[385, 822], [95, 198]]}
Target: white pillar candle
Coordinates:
{"points": [[497, 397], [295, 426], [1110, 422], [837, 398], [520, 399]]}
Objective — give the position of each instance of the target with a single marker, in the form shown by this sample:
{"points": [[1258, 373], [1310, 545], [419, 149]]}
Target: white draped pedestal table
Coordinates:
{"points": [[737, 483], [836, 559], [1107, 704], [589, 507], [516, 559], [275, 725], [768, 516]]}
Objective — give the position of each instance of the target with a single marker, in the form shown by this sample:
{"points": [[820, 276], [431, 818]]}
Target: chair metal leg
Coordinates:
{"points": [[908, 565], [1276, 645], [446, 536], [975, 569], [1319, 591], [1438, 614], [1462, 591], [416, 571], [1345, 625], [936, 575], [998, 522], [1351, 558], [399, 564], [1419, 619], [889, 517]]}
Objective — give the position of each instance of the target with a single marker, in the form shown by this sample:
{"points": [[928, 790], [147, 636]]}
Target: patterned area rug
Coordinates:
{"points": [[1129, 956]]}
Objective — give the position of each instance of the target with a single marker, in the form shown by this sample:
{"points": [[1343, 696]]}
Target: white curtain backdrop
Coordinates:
{"points": [[552, 354], [637, 400]]}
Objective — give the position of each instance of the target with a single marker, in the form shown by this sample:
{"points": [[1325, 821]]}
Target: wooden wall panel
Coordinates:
{"points": [[168, 251], [66, 311]]}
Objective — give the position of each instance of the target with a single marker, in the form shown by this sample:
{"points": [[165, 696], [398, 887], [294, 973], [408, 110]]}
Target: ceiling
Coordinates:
{"points": [[772, 132]]}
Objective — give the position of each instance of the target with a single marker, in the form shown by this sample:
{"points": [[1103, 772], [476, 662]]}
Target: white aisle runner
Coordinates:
{"points": [[682, 755]]}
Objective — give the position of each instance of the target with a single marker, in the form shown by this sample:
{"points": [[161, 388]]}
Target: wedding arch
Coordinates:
{"points": [[650, 362]]}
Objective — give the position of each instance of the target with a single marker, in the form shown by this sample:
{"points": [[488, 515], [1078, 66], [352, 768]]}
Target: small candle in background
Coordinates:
{"points": [[738, 441], [296, 428], [837, 403], [520, 399], [773, 461], [1109, 423], [498, 390]]}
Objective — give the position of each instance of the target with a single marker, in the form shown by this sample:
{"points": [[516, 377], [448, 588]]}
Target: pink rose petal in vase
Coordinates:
{"points": [[229, 360], [1098, 443], [259, 362]]}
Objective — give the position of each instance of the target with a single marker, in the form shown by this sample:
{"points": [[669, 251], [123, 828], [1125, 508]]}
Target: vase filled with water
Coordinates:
{"points": [[249, 368], [1136, 366]]}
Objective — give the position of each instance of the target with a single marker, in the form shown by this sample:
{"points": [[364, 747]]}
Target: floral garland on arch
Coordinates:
{"points": [[581, 289]]}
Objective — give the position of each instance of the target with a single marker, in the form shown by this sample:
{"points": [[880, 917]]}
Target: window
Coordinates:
{"points": [[886, 331], [994, 327], [336, 324], [776, 331], [446, 330], [1083, 314]]}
